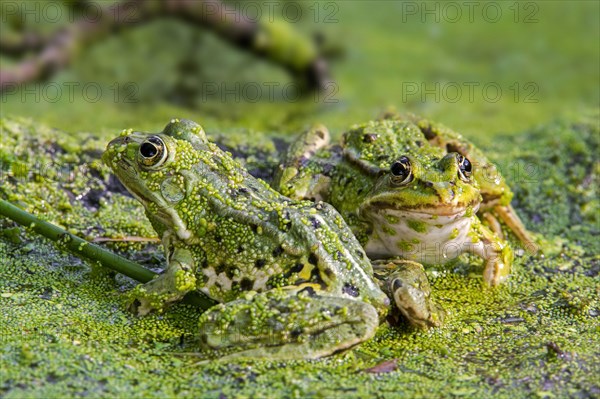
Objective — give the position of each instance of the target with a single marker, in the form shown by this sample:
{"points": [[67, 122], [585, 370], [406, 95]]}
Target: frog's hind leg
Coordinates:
{"points": [[492, 222], [309, 143], [292, 179], [293, 323], [508, 215], [406, 283]]}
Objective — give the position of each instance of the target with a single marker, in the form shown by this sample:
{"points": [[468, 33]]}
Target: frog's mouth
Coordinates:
{"points": [[126, 172], [445, 210]]}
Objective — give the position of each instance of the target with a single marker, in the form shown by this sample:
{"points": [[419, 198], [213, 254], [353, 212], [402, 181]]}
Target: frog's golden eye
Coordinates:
{"points": [[464, 167], [153, 152], [401, 171]]}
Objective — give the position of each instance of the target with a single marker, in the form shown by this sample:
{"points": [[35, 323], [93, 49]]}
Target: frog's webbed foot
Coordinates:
{"points": [[171, 286], [288, 323], [407, 284], [292, 178]]}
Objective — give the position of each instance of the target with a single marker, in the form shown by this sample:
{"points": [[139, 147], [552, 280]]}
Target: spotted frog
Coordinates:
{"points": [[291, 279], [414, 192]]}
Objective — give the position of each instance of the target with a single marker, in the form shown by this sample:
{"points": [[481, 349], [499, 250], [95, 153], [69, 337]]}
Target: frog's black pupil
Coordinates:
{"points": [[397, 169], [148, 150], [465, 165], [400, 167]]}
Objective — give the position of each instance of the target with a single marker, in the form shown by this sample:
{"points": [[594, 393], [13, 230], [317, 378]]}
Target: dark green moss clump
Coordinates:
{"points": [[64, 330]]}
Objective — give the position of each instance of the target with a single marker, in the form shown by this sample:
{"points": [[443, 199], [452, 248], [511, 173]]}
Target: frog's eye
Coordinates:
{"points": [[401, 171], [152, 152], [464, 167]]}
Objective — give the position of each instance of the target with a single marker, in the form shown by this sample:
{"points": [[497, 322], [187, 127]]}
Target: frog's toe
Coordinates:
{"points": [[141, 302], [436, 317], [140, 306]]}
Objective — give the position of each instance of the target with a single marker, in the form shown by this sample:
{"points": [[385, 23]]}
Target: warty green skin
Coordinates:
{"points": [[431, 218], [291, 279]]}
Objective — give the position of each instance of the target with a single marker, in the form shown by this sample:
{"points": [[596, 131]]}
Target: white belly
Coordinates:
{"points": [[421, 237]]}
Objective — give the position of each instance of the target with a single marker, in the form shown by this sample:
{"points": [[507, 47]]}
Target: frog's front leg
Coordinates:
{"points": [[176, 281], [496, 253], [287, 323], [406, 283]]}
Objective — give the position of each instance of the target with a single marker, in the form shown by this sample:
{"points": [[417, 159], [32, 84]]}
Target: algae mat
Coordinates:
{"points": [[64, 330]]}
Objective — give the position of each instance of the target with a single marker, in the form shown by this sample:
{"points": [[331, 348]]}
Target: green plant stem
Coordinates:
{"points": [[82, 248]]}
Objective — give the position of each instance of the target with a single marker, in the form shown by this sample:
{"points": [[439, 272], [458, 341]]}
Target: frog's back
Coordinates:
{"points": [[248, 237]]}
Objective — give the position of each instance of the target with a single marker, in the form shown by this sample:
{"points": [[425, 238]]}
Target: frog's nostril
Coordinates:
{"points": [[450, 195], [118, 141]]}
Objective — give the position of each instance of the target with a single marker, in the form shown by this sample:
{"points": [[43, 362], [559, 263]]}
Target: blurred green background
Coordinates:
{"points": [[480, 67]]}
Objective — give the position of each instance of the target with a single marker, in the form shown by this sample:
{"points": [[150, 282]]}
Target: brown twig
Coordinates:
{"points": [[62, 46], [16, 45], [60, 49]]}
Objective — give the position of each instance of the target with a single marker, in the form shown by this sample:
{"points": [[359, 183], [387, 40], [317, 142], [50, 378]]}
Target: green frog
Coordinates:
{"points": [[414, 192], [290, 278]]}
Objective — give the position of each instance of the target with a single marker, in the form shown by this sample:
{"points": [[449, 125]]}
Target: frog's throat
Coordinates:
{"points": [[429, 238], [163, 213], [178, 224]]}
